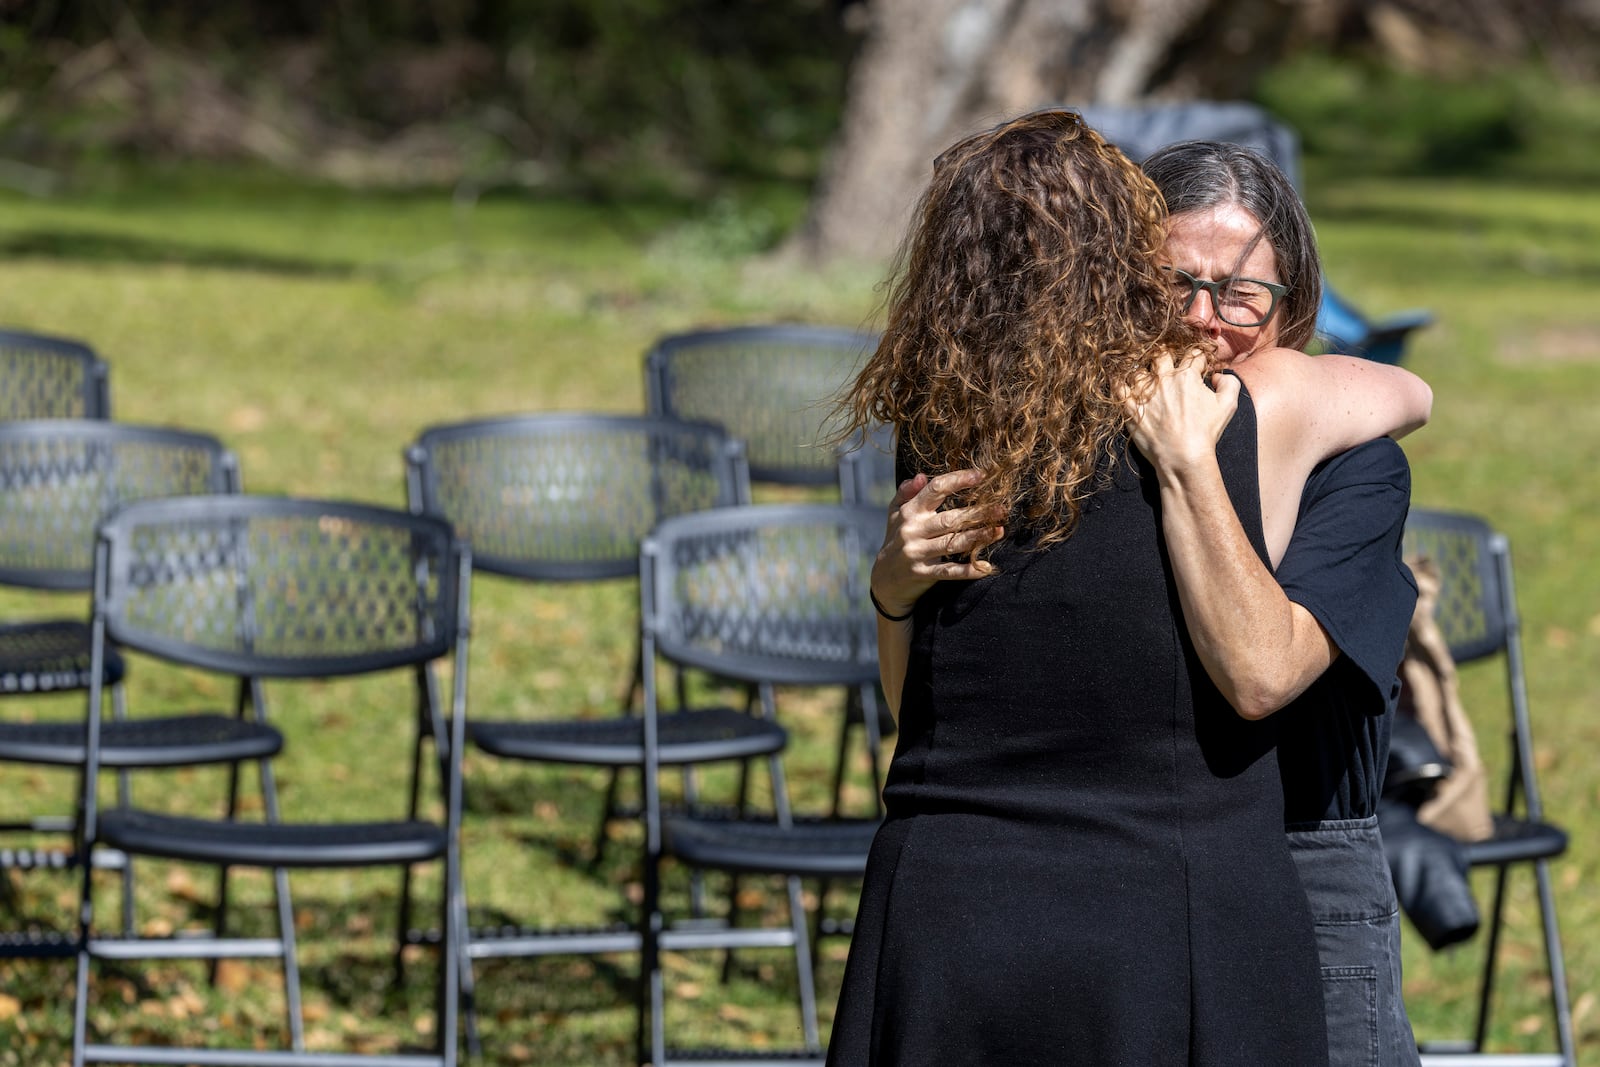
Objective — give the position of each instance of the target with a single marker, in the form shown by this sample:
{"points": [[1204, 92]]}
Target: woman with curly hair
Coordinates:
{"points": [[1083, 858], [1315, 637]]}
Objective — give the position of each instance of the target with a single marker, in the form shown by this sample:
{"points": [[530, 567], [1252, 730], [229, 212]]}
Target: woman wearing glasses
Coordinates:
{"points": [[1330, 624], [1324, 634]]}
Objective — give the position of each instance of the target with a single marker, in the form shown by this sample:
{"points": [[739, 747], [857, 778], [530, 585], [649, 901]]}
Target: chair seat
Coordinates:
{"points": [[821, 848], [699, 735], [50, 657], [1517, 840], [252, 844], [167, 741], [717, 1057]]}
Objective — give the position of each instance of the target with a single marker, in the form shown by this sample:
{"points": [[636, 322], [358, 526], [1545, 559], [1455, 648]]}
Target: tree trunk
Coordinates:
{"points": [[931, 71]]}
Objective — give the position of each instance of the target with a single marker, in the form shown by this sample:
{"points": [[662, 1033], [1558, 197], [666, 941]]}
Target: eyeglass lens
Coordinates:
{"points": [[1238, 301]]}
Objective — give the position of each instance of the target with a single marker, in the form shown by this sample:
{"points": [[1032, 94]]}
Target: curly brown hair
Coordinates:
{"points": [[1026, 295]]}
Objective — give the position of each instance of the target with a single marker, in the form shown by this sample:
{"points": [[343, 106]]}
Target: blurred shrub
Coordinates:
{"points": [[591, 92], [1361, 116]]}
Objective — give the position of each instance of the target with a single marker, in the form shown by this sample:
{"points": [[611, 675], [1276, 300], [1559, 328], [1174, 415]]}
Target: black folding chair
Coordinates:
{"points": [[565, 498], [267, 588], [1477, 613], [772, 595], [43, 377], [771, 387], [58, 479]]}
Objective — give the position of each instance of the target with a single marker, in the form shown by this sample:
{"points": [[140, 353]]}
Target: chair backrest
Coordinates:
{"points": [[279, 587], [1477, 613], [1475, 609], [1142, 129], [765, 593], [60, 477], [569, 497], [772, 387], [44, 377], [866, 471]]}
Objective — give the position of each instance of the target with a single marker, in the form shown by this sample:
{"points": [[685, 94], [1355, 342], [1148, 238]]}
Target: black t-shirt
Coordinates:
{"points": [[1343, 565]]}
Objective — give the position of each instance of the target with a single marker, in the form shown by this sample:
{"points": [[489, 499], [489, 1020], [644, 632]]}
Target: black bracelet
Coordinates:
{"points": [[882, 611]]}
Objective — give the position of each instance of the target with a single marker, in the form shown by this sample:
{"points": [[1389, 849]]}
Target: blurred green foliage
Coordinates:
{"points": [[597, 93], [1360, 116]]}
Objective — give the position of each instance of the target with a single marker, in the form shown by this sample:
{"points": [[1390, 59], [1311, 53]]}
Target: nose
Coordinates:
{"points": [[1203, 312]]}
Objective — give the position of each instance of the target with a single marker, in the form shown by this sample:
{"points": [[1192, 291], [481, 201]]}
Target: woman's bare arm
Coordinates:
{"points": [[1260, 649], [1311, 408]]}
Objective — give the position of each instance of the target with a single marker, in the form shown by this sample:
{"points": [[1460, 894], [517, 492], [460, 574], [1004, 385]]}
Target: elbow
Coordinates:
{"points": [[1423, 409], [1419, 407], [1255, 699]]}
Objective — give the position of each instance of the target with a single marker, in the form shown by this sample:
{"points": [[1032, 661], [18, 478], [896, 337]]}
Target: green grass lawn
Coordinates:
{"points": [[318, 331]]}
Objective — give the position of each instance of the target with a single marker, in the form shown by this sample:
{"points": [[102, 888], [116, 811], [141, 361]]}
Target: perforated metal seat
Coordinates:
{"points": [[1477, 613], [266, 588], [1517, 841], [772, 596], [811, 848], [701, 735], [168, 741], [236, 844], [50, 656]]}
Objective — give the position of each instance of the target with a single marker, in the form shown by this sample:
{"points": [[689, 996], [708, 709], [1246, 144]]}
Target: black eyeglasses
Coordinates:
{"points": [[1239, 301]]}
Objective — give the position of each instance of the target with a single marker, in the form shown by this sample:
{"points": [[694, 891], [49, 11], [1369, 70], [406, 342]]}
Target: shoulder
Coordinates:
{"points": [[1272, 369]]}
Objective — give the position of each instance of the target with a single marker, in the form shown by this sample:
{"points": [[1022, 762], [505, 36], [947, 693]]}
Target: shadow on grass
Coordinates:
{"points": [[93, 247], [1443, 220]]}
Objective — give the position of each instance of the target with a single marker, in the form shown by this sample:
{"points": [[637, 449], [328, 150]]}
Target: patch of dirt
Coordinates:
{"points": [[1568, 343]]}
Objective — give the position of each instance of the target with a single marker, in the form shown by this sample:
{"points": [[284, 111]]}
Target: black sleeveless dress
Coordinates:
{"points": [[1083, 860]]}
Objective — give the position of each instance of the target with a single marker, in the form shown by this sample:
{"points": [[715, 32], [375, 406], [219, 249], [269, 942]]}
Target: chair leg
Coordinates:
{"points": [[242, 703], [80, 1004], [697, 878], [219, 924], [452, 959], [802, 964], [85, 850], [840, 756], [608, 811], [1554, 958], [1491, 954], [650, 1033], [469, 1002], [867, 697], [412, 809], [632, 692], [291, 960], [119, 705], [823, 885], [280, 876]]}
